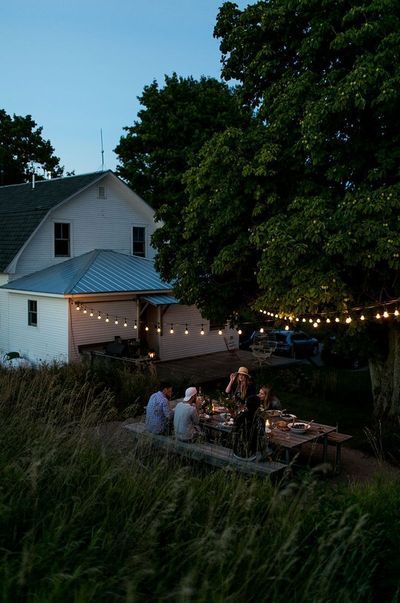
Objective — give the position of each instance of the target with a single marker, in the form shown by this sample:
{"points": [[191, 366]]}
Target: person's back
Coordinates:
{"points": [[158, 412], [186, 418]]}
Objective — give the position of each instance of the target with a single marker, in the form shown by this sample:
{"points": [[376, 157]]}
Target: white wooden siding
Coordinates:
{"points": [[4, 327], [86, 330], [48, 341], [3, 278], [95, 224], [180, 345]]}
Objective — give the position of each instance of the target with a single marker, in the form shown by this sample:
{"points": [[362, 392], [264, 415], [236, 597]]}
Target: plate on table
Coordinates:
{"points": [[273, 413], [299, 428], [287, 417]]}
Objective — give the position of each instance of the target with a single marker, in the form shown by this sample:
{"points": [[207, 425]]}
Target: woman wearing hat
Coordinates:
{"points": [[240, 385]]}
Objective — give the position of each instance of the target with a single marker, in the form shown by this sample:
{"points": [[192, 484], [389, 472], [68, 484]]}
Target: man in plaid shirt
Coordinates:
{"points": [[158, 412]]}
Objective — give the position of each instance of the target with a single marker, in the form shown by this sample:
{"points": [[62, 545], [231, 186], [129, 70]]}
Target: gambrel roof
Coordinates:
{"points": [[22, 208], [96, 272]]}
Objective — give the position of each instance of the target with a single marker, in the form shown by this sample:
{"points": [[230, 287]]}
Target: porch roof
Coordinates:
{"points": [[98, 271], [160, 300]]}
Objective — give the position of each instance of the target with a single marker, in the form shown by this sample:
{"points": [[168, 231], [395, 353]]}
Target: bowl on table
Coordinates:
{"points": [[299, 428]]}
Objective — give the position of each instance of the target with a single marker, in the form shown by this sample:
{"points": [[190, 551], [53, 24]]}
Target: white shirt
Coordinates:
{"points": [[185, 420]]}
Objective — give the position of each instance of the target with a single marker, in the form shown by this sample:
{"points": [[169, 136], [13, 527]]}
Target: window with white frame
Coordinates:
{"points": [[62, 239], [32, 312], [139, 241]]}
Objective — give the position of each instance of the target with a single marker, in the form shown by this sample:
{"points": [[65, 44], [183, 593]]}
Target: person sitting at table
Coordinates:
{"points": [[240, 385], [158, 412], [249, 433], [268, 399], [186, 419]]}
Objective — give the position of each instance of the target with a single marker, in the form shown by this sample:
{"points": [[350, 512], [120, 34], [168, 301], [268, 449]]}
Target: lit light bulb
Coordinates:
{"points": [[328, 320], [125, 323], [171, 329], [116, 321], [84, 311], [99, 316], [310, 320], [77, 307], [378, 316], [348, 320], [337, 319], [91, 313], [396, 312], [146, 328], [315, 325], [240, 331], [297, 319], [318, 320], [186, 330], [303, 320], [158, 329], [202, 330], [362, 317], [219, 332], [264, 311], [135, 325], [107, 319], [385, 314], [287, 328], [262, 330]]}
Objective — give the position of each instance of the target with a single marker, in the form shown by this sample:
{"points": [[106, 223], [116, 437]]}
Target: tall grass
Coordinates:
{"points": [[80, 521]]}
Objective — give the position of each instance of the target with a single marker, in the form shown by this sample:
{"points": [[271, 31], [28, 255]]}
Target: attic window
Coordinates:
{"points": [[62, 239], [101, 193], [139, 241]]}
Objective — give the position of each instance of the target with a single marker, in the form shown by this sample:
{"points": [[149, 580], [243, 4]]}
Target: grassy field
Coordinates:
{"points": [[82, 523]]}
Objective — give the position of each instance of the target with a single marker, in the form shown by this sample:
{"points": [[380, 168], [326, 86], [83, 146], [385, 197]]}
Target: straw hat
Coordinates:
{"points": [[243, 371]]}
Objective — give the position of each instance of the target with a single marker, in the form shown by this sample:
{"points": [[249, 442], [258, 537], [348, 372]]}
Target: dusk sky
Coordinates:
{"points": [[78, 67]]}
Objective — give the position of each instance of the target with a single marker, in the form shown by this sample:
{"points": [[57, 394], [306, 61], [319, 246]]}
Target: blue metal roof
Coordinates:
{"points": [[99, 271], [160, 300]]}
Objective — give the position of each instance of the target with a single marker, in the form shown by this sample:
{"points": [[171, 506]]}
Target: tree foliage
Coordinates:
{"points": [[21, 145], [323, 78], [174, 123]]}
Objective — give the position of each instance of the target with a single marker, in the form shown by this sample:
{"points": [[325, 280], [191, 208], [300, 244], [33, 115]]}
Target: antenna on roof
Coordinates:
{"points": [[102, 150]]}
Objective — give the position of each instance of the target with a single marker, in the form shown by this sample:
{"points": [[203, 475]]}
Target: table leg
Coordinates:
{"points": [[325, 448]]}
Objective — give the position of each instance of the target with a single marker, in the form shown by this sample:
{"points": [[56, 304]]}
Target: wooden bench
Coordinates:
{"points": [[213, 454], [337, 439]]}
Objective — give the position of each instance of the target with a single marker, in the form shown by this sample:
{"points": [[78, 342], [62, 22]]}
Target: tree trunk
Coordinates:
{"points": [[385, 379]]}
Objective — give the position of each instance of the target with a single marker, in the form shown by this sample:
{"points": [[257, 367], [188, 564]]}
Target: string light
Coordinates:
{"points": [[219, 332], [362, 317], [84, 310], [328, 320], [125, 323], [287, 328], [378, 316], [116, 321], [158, 328], [240, 331], [396, 312], [348, 320], [91, 314], [337, 319], [107, 319], [99, 316], [202, 330], [186, 330], [315, 325], [386, 314], [146, 328], [77, 307], [135, 325], [171, 329], [262, 330]]}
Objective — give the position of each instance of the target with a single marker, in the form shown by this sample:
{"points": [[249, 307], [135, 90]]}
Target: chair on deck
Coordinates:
{"points": [[263, 350], [231, 346]]}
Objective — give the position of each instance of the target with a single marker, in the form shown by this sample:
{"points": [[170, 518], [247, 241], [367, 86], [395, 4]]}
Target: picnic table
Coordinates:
{"points": [[217, 426]]}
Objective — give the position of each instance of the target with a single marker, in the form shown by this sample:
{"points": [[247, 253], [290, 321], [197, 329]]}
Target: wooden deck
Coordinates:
{"points": [[214, 367], [210, 453]]}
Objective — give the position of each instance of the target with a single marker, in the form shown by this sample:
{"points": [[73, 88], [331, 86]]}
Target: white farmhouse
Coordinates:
{"points": [[76, 270]]}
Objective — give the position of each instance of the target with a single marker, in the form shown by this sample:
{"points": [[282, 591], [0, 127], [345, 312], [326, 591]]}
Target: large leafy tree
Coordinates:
{"points": [[21, 146], [324, 79], [174, 123]]}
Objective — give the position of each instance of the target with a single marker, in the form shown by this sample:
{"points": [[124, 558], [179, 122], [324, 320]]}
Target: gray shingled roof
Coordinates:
{"points": [[98, 271], [22, 208]]}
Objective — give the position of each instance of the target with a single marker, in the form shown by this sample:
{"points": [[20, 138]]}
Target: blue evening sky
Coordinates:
{"points": [[77, 66]]}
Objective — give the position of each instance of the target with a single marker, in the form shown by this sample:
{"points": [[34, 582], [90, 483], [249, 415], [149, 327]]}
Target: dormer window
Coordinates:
{"points": [[139, 241], [62, 240], [101, 192]]}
